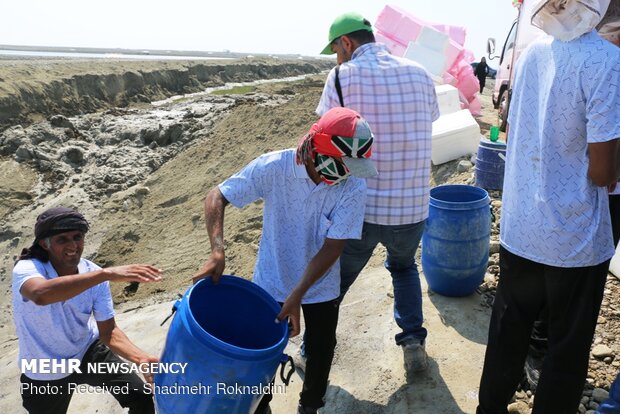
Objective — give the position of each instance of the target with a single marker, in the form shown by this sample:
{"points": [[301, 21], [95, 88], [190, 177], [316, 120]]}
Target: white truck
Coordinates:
{"points": [[521, 34]]}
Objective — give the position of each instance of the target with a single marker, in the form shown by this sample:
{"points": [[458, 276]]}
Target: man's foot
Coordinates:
{"points": [[415, 358], [532, 370]]}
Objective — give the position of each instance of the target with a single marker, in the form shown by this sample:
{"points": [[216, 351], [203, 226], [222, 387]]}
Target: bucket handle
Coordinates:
{"points": [[175, 306], [283, 361]]}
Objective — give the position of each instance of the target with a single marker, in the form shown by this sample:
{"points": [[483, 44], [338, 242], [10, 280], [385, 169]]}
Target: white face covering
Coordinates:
{"points": [[568, 19]]}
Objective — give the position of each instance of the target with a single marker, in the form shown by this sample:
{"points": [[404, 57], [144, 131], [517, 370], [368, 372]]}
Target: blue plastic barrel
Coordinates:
{"points": [[227, 335], [490, 163], [455, 243]]}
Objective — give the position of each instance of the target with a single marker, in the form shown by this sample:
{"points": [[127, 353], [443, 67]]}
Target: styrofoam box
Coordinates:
{"points": [[453, 53], [448, 99], [433, 61], [433, 39], [454, 135], [399, 24], [395, 48], [468, 85]]}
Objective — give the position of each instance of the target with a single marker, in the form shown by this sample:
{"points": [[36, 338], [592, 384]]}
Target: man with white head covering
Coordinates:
{"points": [[556, 238]]}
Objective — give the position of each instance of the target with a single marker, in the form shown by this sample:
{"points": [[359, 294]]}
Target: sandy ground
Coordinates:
{"points": [[367, 375]]}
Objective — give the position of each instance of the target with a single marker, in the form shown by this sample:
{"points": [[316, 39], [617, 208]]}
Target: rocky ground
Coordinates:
{"points": [[139, 172]]}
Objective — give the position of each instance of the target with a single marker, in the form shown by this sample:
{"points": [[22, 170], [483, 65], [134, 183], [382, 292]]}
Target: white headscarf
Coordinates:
{"points": [[568, 19]]}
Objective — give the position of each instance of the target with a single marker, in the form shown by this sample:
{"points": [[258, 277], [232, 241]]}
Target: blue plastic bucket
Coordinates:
{"points": [[227, 335], [490, 163], [455, 243]]}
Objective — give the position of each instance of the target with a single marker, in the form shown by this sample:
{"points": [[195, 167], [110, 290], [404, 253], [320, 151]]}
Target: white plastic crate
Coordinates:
{"points": [[433, 61], [454, 135], [448, 99], [433, 39]]}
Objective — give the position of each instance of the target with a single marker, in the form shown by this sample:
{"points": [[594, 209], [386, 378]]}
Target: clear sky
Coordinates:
{"points": [[252, 26]]}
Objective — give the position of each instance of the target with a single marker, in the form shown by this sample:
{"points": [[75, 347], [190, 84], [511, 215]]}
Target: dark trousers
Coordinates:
{"points": [[538, 343], [572, 299], [53, 397], [320, 341], [614, 211]]}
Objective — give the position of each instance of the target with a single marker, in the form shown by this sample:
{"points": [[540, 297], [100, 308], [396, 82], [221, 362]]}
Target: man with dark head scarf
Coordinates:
{"points": [[49, 223], [56, 294]]}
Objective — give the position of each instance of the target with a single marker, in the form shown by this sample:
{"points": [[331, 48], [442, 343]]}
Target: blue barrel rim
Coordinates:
{"points": [[224, 347], [495, 144], [482, 201]]}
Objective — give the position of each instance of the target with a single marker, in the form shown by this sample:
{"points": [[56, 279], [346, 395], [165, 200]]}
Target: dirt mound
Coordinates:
{"points": [[169, 228], [48, 87]]}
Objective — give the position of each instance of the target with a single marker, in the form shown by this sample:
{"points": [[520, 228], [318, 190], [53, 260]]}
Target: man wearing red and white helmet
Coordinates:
{"points": [[314, 200]]}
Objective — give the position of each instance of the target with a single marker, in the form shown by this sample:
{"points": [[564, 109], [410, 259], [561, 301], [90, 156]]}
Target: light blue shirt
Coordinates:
{"points": [[298, 216], [61, 330], [566, 95]]}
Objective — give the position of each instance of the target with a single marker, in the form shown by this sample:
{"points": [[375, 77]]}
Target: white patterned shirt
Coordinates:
{"points": [[61, 330], [397, 98], [298, 216], [566, 95]]}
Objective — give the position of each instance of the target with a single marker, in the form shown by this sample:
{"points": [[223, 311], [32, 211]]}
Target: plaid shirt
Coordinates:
{"points": [[397, 98]]}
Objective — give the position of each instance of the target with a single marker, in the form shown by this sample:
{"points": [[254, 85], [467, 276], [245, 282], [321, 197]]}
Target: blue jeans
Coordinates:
{"points": [[401, 243]]}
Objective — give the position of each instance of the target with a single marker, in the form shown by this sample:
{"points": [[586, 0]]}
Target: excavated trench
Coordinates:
{"points": [[81, 86]]}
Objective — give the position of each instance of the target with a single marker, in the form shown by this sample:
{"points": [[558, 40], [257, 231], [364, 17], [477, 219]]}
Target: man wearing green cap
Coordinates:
{"points": [[397, 98]]}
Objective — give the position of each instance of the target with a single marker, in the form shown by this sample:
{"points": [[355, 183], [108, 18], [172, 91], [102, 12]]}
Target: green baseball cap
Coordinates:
{"points": [[345, 24]]}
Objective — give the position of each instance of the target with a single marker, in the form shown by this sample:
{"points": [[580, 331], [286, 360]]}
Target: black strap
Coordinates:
{"points": [[338, 88]]}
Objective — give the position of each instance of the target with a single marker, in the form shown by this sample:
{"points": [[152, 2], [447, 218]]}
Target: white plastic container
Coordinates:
{"points": [[448, 99], [433, 61], [454, 135], [433, 39]]}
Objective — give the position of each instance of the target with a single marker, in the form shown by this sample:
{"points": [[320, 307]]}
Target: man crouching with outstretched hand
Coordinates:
{"points": [[55, 293]]}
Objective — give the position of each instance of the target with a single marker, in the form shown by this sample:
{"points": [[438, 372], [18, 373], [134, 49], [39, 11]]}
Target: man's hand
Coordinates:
{"points": [[214, 267], [292, 309], [133, 273], [146, 361]]}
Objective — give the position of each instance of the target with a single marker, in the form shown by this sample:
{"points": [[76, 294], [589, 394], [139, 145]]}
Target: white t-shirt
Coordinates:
{"points": [[566, 95], [61, 330], [298, 216]]}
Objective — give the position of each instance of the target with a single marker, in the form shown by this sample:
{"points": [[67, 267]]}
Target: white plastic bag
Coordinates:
{"points": [[568, 19]]}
